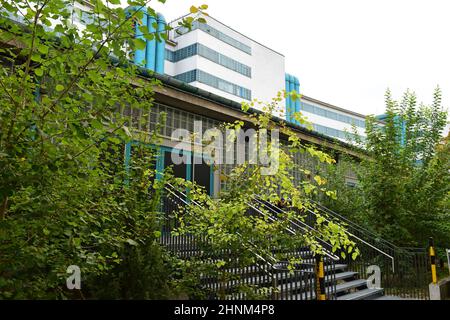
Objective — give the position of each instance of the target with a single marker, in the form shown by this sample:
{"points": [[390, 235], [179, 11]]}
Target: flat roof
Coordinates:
{"points": [[185, 87], [328, 105], [227, 26]]}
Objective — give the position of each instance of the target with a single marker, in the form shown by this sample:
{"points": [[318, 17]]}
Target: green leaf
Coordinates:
{"points": [[39, 72], [132, 242], [140, 44], [59, 87], [193, 9], [42, 48], [36, 57], [127, 131]]}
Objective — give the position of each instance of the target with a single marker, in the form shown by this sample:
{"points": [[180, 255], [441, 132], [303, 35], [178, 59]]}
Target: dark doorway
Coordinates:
{"points": [[201, 173], [179, 170]]}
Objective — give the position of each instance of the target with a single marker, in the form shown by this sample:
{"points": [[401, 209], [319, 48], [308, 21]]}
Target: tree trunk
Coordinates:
{"points": [[3, 208]]}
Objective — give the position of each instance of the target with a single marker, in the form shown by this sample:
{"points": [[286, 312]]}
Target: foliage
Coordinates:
{"points": [[231, 223], [64, 194], [403, 188]]}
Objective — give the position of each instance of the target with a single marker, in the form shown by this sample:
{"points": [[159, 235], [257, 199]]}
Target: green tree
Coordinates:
{"points": [[65, 196], [404, 181], [231, 224]]}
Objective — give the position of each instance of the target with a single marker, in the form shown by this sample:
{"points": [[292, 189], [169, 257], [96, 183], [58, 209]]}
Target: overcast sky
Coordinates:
{"points": [[347, 52]]}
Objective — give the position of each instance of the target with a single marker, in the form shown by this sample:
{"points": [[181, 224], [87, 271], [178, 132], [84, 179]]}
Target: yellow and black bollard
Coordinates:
{"points": [[433, 261], [320, 276]]}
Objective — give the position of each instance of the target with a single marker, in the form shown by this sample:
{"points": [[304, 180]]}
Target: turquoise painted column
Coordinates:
{"points": [[288, 100], [139, 55], [297, 101], [292, 88], [160, 163], [161, 45], [150, 56]]}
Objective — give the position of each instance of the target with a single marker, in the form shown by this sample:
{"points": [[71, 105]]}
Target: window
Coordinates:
{"points": [[210, 54], [213, 81], [333, 115], [217, 34]]}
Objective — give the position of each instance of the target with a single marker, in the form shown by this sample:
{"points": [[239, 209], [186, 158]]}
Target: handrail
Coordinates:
{"points": [[365, 242], [197, 204], [329, 254], [271, 264], [353, 224], [352, 235]]}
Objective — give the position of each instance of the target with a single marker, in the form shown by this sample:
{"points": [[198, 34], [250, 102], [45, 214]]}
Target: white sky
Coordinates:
{"points": [[346, 52]]}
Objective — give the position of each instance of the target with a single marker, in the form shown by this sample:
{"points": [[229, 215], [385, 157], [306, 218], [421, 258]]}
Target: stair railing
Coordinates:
{"points": [[302, 282], [408, 274], [357, 228], [300, 225]]}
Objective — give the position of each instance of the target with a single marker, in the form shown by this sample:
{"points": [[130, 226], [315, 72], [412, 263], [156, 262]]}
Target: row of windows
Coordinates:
{"points": [[216, 34], [213, 81], [214, 56], [149, 121], [178, 55], [333, 115], [210, 54], [334, 132]]}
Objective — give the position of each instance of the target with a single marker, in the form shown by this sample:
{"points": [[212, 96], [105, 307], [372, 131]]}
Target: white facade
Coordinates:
{"points": [[237, 68], [266, 80], [331, 120], [267, 66]]}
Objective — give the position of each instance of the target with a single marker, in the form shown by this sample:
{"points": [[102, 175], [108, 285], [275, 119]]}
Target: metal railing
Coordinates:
{"points": [[404, 271], [295, 225], [265, 278]]}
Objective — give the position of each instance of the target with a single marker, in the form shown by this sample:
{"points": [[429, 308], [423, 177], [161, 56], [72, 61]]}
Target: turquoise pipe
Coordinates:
{"points": [[161, 45], [139, 55], [150, 55], [288, 100], [292, 103], [297, 101]]}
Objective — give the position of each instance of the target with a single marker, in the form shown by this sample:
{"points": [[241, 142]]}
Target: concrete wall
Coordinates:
{"points": [[441, 290], [267, 65]]}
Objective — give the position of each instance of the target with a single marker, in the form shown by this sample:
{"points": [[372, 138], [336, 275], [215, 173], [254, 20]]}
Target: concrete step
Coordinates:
{"points": [[341, 276], [365, 294], [327, 268], [252, 276], [291, 286], [342, 287], [253, 269], [339, 288], [390, 298]]}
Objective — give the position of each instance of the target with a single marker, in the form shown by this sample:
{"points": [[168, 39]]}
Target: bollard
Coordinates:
{"points": [[433, 262], [320, 277]]}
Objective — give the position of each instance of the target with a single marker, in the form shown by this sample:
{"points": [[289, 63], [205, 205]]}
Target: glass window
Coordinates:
{"points": [[208, 79], [209, 54], [217, 34]]}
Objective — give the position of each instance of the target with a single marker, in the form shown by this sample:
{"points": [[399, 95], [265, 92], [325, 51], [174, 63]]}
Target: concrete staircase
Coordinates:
{"points": [[341, 283]]}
